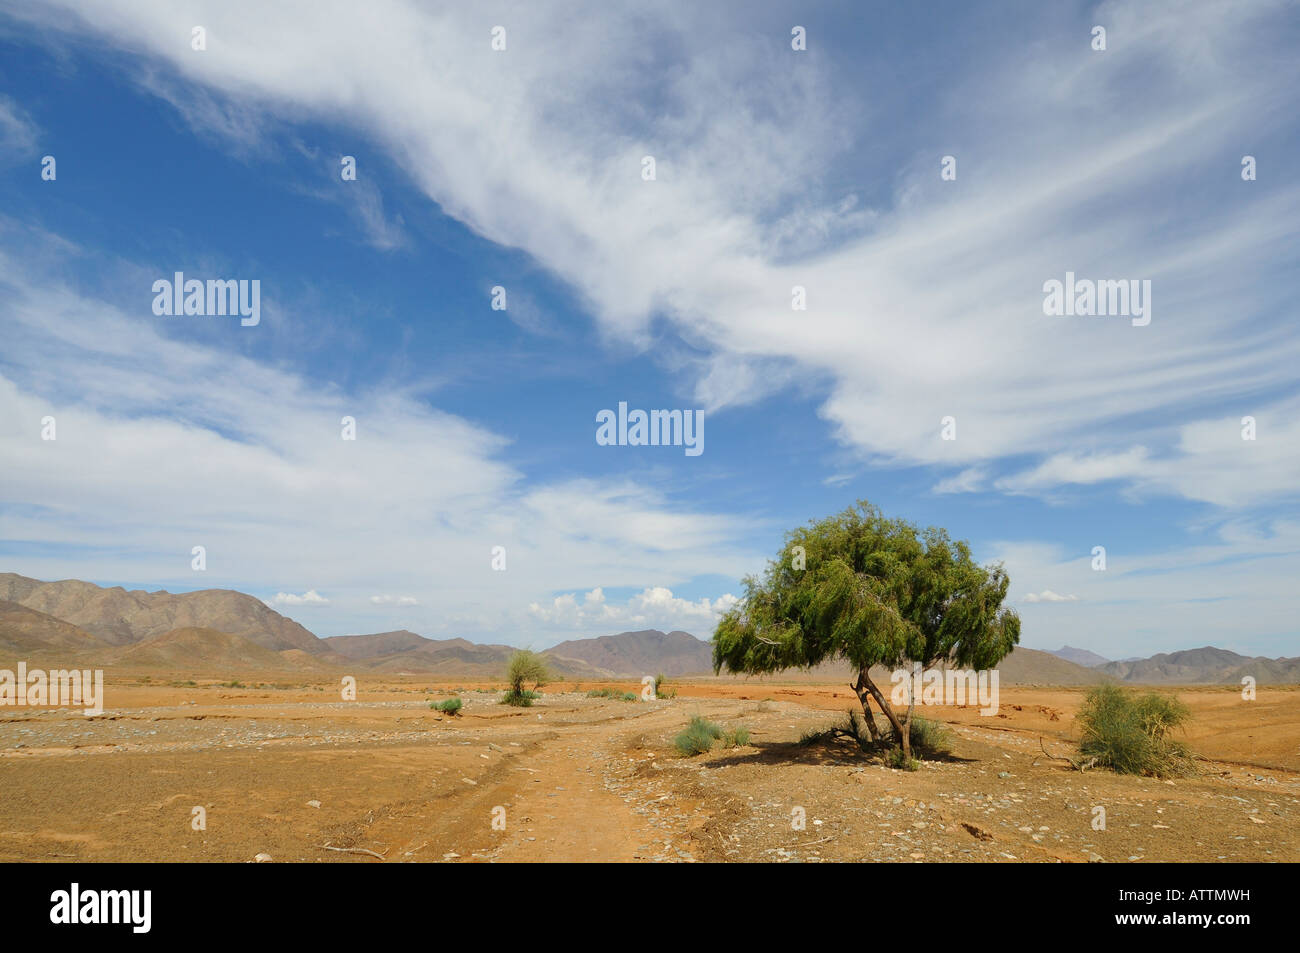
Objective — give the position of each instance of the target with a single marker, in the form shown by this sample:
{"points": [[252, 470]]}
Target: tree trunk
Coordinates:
{"points": [[865, 700], [865, 680], [907, 726]]}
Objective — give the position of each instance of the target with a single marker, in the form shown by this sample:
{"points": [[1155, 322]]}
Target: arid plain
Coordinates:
{"points": [[280, 766]]}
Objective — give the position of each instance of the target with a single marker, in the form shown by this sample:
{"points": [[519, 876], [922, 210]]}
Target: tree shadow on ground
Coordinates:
{"points": [[839, 751]]}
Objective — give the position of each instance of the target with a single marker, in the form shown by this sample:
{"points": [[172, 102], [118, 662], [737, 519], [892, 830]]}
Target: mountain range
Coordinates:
{"points": [[1079, 656], [218, 630]]}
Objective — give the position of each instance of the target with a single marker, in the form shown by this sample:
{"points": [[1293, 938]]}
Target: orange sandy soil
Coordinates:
{"points": [[578, 778]]}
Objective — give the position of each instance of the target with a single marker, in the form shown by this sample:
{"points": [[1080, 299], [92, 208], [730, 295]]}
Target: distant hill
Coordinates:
{"points": [[26, 631], [1079, 656], [373, 646], [647, 652], [221, 629], [405, 651], [1206, 665], [1031, 667], [120, 617], [201, 648]]}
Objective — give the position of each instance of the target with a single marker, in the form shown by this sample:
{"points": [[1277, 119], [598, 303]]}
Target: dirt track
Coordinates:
{"points": [[596, 779]]}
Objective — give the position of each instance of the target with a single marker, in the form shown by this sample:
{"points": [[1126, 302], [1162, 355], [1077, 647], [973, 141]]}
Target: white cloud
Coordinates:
{"points": [[654, 607], [398, 601], [309, 599], [970, 480], [1047, 595], [1066, 468], [17, 131]]}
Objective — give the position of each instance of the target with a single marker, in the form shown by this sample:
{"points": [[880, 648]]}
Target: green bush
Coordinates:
{"points": [[930, 739], [521, 699], [612, 693], [819, 736], [451, 706], [524, 667], [895, 759], [698, 737], [1130, 733], [738, 738]]}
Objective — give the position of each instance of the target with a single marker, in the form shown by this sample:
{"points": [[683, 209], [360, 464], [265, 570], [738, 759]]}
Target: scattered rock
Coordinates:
{"points": [[977, 832]]}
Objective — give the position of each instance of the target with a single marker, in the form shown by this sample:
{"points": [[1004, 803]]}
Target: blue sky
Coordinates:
{"points": [[774, 168]]}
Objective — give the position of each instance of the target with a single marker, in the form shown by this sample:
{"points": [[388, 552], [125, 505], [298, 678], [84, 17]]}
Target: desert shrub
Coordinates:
{"points": [[698, 737], [856, 728], [896, 759], [522, 699], [524, 667], [930, 739], [1130, 733], [612, 693], [817, 737], [737, 738], [661, 689], [451, 706]]}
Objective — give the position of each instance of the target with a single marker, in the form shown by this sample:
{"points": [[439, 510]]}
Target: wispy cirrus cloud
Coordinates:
{"points": [[924, 302], [18, 133]]}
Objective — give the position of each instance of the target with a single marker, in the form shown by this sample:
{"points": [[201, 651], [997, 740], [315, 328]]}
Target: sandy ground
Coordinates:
{"points": [[575, 778]]}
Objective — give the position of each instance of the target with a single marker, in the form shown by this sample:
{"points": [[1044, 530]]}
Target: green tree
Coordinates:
{"points": [[873, 591]]}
